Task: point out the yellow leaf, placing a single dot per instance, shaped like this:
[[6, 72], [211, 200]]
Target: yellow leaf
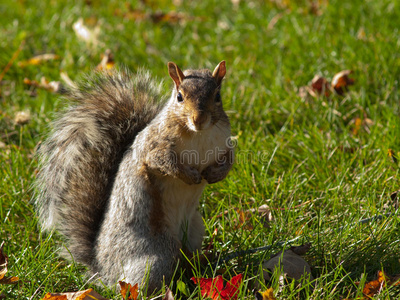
[[36, 60], [268, 294]]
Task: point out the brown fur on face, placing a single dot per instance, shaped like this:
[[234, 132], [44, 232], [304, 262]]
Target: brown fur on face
[[200, 106]]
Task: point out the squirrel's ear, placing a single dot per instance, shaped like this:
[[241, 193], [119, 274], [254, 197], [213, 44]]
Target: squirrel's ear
[[219, 72], [176, 74]]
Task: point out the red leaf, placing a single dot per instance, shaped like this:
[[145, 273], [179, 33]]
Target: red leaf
[[214, 287]]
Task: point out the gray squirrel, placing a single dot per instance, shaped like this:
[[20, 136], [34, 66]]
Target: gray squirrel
[[122, 172]]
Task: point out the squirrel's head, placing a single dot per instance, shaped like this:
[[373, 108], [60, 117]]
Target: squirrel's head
[[196, 97]]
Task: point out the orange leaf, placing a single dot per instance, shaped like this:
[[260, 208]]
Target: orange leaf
[[357, 126], [392, 155], [128, 288], [341, 81], [4, 269], [374, 287]]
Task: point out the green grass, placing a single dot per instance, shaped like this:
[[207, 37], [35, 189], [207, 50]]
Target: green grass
[[298, 156]]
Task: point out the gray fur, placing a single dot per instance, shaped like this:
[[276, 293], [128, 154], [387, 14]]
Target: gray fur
[[111, 178]]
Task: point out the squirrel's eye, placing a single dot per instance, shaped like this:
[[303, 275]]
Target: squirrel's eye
[[218, 97], [179, 97]]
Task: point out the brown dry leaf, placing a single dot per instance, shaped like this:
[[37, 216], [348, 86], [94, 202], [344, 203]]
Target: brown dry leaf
[[265, 214], [4, 268], [318, 7], [392, 155], [301, 250], [50, 296], [52, 86], [128, 288], [132, 14], [374, 287], [357, 126], [341, 81], [36, 60], [395, 280], [361, 35], [320, 86], [267, 295], [291, 264], [168, 295], [170, 17], [88, 294], [107, 61]]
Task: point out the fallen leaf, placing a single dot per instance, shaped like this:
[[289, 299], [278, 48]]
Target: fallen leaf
[[341, 81], [88, 294], [50, 296], [320, 86], [392, 155], [171, 17], [267, 295], [291, 264], [86, 34], [301, 250], [357, 125], [52, 86], [214, 287], [265, 214], [168, 295], [107, 61], [128, 288], [374, 287], [22, 118], [4, 268], [36, 60], [361, 35]]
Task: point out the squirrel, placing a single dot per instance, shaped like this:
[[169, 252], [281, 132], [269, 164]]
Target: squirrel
[[121, 173]]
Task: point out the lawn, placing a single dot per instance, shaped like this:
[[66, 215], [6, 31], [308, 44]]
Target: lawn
[[325, 166]]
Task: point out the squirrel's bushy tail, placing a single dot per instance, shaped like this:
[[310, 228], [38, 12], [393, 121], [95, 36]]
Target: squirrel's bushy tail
[[80, 158]]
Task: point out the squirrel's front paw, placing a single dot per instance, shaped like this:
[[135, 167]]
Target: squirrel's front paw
[[215, 173], [191, 175]]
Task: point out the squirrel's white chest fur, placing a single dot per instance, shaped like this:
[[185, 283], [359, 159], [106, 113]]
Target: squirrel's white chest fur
[[181, 200]]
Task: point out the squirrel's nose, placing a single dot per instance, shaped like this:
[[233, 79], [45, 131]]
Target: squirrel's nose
[[199, 120]]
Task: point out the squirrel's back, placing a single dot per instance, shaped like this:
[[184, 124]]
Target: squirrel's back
[[80, 158]]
